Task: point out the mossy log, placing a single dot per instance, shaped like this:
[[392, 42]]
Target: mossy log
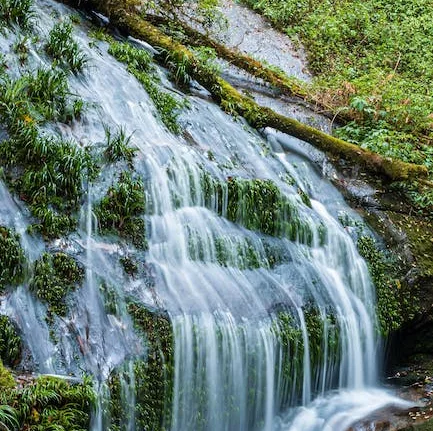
[[125, 15], [285, 84]]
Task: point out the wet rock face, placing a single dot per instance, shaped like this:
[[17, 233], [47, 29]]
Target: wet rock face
[[406, 237]]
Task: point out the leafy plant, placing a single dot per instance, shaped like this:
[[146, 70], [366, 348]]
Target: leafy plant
[[118, 146], [64, 49], [16, 12]]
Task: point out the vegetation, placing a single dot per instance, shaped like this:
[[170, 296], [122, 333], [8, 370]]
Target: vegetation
[[121, 210], [153, 376], [12, 258], [45, 170], [373, 62], [16, 12], [118, 146], [130, 265], [10, 342], [47, 403], [54, 277], [64, 49], [395, 301], [259, 205]]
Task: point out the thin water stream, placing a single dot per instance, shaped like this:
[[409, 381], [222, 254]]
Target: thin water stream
[[287, 343]]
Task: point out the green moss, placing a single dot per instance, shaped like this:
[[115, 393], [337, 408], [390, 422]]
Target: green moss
[[122, 209], [153, 377], [395, 301], [322, 329], [6, 379], [418, 231], [12, 258], [10, 342], [258, 205], [54, 277]]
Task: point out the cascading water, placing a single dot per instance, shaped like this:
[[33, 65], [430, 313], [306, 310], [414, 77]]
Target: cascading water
[[271, 306]]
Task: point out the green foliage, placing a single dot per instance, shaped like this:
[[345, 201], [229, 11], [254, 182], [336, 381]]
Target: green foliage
[[394, 301], [140, 65], [121, 210], [16, 12], [64, 49], [130, 265], [8, 418], [374, 64], [118, 146], [12, 258], [50, 403], [10, 342], [21, 48], [207, 58], [46, 171], [54, 277], [135, 58]]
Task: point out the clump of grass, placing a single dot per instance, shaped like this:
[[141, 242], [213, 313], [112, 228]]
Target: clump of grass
[[118, 146], [140, 65], [64, 48], [54, 277], [12, 258], [121, 210], [16, 12]]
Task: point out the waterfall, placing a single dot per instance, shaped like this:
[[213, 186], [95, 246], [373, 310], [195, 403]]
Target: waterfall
[[272, 316]]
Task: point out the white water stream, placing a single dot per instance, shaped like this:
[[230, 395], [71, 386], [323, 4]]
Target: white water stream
[[231, 369]]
